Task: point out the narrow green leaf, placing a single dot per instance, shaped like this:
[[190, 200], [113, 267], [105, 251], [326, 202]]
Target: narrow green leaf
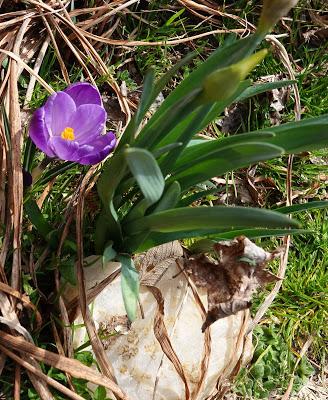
[[175, 16], [212, 112], [105, 227], [305, 135], [147, 173], [205, 149], [151, 91], [226, 159], [29, 153], [260, 88], [188, 200], [152, 133], [181, 101], [137, 211], [302, 207], [37, 219], [145, 102], [146, 98], [185, 136], [129, 285], [225, 55], [295, 137], [157, 238], [260, 233], [109, 253], [170, 198], [55, 171], [216, 108], [165, 149], [108, 222], [188, 218]]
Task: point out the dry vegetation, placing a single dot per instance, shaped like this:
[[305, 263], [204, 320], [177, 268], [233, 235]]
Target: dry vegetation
[[85, 38]]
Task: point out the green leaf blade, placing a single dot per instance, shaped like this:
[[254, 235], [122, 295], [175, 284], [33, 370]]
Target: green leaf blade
[[147, 173], [224, 160], [129, 286], [188, 218], [312, 205]]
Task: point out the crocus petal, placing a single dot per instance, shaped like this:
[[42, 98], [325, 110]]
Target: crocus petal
[[88, 122], [84, 93], [64, 149], [58, 111], [39, 133], [99, 150]]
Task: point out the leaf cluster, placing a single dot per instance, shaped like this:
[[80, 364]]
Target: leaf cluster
[[145, 187]]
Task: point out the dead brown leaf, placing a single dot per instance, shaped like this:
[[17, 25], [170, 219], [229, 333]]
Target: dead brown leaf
[[232, 280]]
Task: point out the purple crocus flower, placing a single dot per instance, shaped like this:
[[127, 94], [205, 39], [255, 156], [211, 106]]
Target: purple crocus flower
[[71, 126]]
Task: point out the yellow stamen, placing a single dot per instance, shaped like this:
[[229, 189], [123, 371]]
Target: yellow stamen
[[68, 134]]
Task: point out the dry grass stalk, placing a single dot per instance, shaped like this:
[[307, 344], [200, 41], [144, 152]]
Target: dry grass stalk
[[162, 336], [13, 206], [207, 340], [6, 217], [28, 69], [73, 305], [20, 362], [37, 66], [56, 48], [11, 319], [73, 367], [95, 57], [212, 9], [171, 42], [61, 351], [16, 180], [109, 14]]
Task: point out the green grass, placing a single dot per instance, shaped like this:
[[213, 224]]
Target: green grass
[[302, 304]]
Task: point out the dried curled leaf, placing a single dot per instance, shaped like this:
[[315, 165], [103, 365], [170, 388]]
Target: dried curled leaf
[[154, 263], [232, 280]]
